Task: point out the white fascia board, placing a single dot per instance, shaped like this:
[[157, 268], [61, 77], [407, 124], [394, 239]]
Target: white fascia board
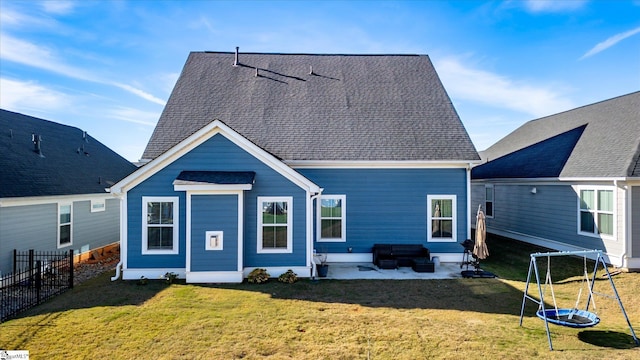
[[211, 187], [39, 200], [548, 181], [354, 164], [199, 137]]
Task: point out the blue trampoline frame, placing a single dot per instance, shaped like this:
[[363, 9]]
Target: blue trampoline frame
[[554, 316]]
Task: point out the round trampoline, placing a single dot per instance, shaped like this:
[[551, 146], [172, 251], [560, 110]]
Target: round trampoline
[[570, 317]]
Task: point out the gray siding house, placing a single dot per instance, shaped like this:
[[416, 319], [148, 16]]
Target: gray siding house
[[52, 188], [260, 160], [568, 181]]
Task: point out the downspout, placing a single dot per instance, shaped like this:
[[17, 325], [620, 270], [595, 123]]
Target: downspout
[[123, 246], [627, 221], [311, 260], [469, 201]]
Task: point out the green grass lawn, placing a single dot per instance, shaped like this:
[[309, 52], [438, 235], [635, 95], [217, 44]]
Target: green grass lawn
[[364, 319]]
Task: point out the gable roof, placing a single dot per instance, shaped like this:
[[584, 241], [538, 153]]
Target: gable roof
[[608, 145], [551, 155], [71, 161], [302, 107], [194, 140]]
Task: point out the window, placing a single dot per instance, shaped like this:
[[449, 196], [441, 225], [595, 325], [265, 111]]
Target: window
[[596, 211], [488, 200], [332, 215], [98, 205], [441, 218], [160, 227], [274, 224], [213, 240], [64, 225]]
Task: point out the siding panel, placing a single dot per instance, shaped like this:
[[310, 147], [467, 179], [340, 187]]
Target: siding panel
[[390, 205]]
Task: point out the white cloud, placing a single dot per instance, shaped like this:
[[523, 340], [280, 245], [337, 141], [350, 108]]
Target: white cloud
[[58, 7], [26, 96], [539, 6], [146, 118], [610, 42], [26, 53], [499, 91]]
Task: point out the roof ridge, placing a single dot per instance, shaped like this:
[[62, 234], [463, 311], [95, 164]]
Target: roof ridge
[[299, 54]]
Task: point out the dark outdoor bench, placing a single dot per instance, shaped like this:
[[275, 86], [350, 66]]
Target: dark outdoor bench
[[392, 256]]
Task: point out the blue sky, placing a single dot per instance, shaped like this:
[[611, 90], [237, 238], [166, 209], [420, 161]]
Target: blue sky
[[108, 67]]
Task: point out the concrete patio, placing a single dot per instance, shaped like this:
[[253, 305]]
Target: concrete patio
[[353, 271]]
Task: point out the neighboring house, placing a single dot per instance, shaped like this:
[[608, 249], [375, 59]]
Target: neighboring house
[[260, 160], [568, 181], [52, 188]]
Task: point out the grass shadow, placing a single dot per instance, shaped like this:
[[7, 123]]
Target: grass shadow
[[607, 339]]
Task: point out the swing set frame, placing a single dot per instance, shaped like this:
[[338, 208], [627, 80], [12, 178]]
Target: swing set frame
[[543, 313]]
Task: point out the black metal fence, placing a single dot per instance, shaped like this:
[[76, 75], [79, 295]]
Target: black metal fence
[[37, 276]]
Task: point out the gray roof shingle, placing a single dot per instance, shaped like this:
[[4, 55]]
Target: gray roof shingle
[[609, 146], [73, 162], [352, 107]]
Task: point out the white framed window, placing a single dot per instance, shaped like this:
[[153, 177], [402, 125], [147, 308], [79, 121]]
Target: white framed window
[[595, 211], [332, 218], [213, 240], [275, 224], [441, 218], [160, 225], [98, 205], [488, 200], [65, 224]]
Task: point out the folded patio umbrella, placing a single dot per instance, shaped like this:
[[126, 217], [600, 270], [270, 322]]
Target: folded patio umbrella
[[480, 248]]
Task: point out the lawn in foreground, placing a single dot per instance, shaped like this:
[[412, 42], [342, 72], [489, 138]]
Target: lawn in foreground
[[410, 319]]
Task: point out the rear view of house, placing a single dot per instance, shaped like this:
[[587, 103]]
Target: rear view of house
[[569, 181], [260, 160], [52, 188]]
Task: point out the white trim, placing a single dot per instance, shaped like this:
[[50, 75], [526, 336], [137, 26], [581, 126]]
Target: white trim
[[210, 187], [102, 202], [454, 217], [39, 200], [151, 273], [289, 201], [199, 137], [596, 189], [70, 223], [175, 225], [124, 236], [214, 277], [385, 164], [343, 218], [553, 181]]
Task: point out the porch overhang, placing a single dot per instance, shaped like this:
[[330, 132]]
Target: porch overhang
[[214, 180]]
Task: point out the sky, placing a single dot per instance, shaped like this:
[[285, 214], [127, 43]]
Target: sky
[[108, 67]]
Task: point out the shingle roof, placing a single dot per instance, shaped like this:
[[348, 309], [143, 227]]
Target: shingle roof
[[72, 161], [217, 177], [352, 107], [609, 146], [550, 157]]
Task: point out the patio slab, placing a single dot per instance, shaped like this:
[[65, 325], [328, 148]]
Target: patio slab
[[355, 271]]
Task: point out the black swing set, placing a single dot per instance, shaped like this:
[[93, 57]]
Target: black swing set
[[570, 317]]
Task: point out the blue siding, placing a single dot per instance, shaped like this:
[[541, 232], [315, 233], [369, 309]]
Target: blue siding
[[214, 213], [390, 205], [218, 154]]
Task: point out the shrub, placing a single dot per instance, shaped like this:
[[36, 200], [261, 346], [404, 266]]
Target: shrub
[[288, 277], [258, 276]]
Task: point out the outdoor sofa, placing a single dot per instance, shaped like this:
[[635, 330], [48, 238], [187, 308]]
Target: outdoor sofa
[[392, 256]]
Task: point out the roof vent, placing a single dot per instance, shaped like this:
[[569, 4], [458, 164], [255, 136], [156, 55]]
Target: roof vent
[[37, 144], [257, 72], [311, 70], [85, 137], [235, 61]]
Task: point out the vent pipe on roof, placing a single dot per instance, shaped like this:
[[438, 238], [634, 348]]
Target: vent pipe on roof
[[84, 136], [37, 146], [257, 72], [310, 69], [235, 61]]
